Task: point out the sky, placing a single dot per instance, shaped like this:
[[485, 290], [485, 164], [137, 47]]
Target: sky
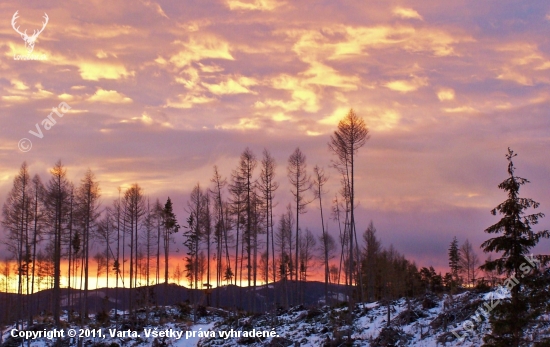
[[159, 92]]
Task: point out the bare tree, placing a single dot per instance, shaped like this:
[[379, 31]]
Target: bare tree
[[134, 203], [319, 180], [118, 212], [57, 203], [268, 187], [196, 207], [207, 235], [283, 241], [150, 243], [237, 201], [350, 136], [307, 246], [38, 211], [101, 266], [242, 190], [220, 228], [17, 217], [334, 273], [5, 284], [87, 196], [178, 274], [157, 215], [301, 183], [468, 262], [343, 237], [247, 165]]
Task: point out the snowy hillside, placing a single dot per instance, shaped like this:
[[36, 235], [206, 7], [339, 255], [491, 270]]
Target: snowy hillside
[[428, 321], [431, 321]]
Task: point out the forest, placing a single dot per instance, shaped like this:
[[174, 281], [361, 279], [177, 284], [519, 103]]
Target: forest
[[60, 236]]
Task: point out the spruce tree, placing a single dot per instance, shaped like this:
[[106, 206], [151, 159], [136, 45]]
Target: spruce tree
[[513, 242], [171, 226], [454, 258]]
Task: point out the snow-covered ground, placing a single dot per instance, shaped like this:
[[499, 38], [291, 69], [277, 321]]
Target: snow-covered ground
[[194, 339], [442, 320], [430, 321]]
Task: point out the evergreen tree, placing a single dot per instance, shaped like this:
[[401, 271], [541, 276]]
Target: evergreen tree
[[514, 242], [454, 258], [171, 226], [371, 255]]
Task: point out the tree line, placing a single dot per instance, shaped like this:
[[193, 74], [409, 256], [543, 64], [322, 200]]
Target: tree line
[[230, 223], [232, 237], [47, 224]]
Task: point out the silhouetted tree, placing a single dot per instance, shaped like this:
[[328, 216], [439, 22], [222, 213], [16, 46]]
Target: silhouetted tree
[[17, 217], [300, 183], [351, 134], [514, 241], [267, 188], [327, 243], [454, 265], [371, 254], [468, 262], [57, 204], [87, 197], [170, 226], [134, 203]]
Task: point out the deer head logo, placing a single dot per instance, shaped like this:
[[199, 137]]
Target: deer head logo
[[29, 40]]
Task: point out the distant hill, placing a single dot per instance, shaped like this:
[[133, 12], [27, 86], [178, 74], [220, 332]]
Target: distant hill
[[258, 300]]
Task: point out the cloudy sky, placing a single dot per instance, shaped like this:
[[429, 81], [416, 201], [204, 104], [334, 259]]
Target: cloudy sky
[[162, 91]]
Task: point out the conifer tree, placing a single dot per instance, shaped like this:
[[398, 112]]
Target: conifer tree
[[513, 241], [171, 226], [454, 258]]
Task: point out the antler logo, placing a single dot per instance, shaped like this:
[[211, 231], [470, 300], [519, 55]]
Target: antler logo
[[29, 40]]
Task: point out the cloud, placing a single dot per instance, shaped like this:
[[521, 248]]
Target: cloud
[[445, 94], [407, 13], [303, 97], [19, 85], [406, 86], [231, 86], [156, 7], [187, 101], [94, 71], [109, 96], [509, 75], [254, 5], [201, 47], [460, 109], [243, 124]]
